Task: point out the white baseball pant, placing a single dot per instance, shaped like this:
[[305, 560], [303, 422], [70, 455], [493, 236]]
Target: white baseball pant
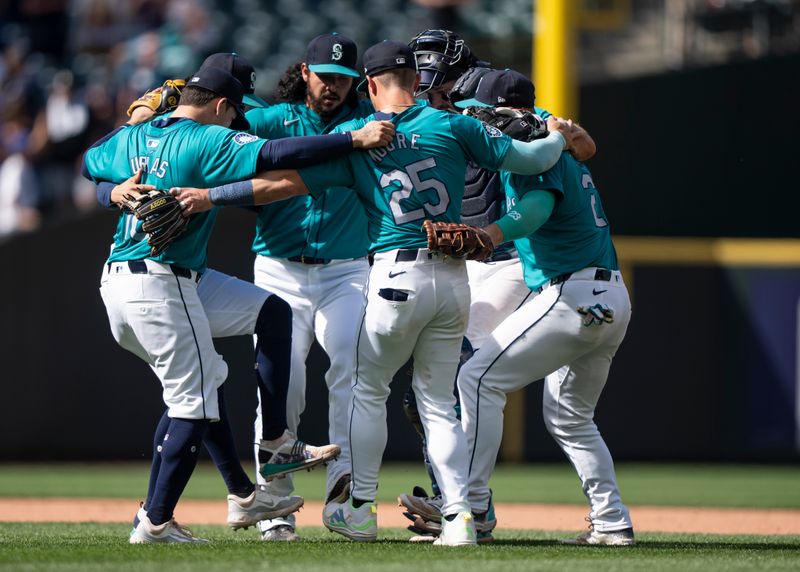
[[497, 289], [169, 322], [428, 325], [546, 338]]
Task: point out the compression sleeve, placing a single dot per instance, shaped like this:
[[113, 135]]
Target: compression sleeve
[[534, 157], [530, 212], [104, 194], [299, 152]]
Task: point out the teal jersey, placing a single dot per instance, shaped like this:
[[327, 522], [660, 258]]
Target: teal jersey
[[173, 153], [577, 234], [418, 176], [331, 225]]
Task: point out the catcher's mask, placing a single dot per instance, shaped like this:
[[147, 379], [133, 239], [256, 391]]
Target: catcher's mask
[[442, 56]]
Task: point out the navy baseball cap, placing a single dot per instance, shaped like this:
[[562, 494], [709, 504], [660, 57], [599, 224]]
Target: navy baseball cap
[[387, 55], [225, 85], [332, 53], [502, 88], [240, 68]]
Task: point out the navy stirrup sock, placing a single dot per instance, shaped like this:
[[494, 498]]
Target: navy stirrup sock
[[158, 438], [221, 447], [273, 363], [179, 451]]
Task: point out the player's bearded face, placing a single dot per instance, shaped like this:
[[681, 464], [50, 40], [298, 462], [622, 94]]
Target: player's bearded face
[[326, 92]]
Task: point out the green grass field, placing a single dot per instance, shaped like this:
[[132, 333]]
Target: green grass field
[[756, 486], [102, 547]]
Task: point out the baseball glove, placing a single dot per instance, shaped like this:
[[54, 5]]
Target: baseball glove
[[458, 240], [466, 86], [161, 99], [520, 124], [161, 215]]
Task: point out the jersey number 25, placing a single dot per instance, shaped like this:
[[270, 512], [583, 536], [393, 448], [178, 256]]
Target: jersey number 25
[[409, 180]]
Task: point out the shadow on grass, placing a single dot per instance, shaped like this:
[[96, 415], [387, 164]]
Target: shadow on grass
[[792, 544]]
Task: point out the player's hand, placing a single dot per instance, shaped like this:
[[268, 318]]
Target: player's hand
[[583, 146], [557, 124], [373, 134], [130, 189], [495, 234], [192, 200]]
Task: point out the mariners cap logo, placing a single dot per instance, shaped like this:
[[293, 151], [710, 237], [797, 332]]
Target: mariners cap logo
[[336, 53]]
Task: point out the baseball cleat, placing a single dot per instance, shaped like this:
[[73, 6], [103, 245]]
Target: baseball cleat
[[340, 491], [169, 532], [418, 502], [485, 522], [280, 533], [594, 537], [291, 454], [458, 531], [260, 505], [355, 523]]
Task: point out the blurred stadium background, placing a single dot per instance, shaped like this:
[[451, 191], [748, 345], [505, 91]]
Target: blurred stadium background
[[693, 104]]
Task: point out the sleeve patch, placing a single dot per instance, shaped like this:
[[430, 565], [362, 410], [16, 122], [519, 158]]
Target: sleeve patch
[[492, 130], [244, 138]]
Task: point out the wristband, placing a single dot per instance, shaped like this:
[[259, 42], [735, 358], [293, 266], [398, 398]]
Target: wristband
[[232, 194]]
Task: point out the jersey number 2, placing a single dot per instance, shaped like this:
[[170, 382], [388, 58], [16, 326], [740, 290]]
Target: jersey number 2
[[599, 217], [409, 181]]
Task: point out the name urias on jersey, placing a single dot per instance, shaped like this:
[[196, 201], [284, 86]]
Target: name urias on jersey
[[158, 169], [400, 141]]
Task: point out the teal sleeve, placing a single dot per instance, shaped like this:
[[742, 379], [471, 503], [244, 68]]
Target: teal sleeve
[[483, 144], [534, 157], [541, 112], [98, 162], [227, 156], [267, 122], [335, 173], [530, 212]]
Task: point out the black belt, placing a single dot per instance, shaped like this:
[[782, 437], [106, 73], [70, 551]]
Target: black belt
[[502, 256], [409, 255], [140, 267], [602, 274], [307, 260]]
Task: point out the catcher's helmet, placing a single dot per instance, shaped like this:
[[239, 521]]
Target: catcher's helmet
[[441, 56]]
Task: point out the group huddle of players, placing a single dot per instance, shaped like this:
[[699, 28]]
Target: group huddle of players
[[342, 257]]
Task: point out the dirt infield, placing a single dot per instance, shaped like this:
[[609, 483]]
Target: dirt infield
[[525, 516]]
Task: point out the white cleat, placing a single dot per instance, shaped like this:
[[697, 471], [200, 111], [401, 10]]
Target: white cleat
[[291, 454], [260, 505], [359, 524], [458, 531], [170, 532], [593, 537]]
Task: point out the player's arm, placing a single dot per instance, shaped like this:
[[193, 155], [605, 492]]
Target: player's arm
[[583, 146], [265, 188], [530, 212], [298, 152], [534, 157]]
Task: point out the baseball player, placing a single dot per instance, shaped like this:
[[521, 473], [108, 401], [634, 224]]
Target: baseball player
[[313, 252], [496, 284], [417, 301], [284, 454], [567, 333], [155, 306]]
